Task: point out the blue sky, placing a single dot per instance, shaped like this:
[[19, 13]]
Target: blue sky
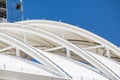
[[101, 17]]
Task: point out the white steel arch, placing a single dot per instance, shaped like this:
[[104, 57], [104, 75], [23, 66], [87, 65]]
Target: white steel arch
[[41, 30], [49, 25], [81, 32], [30, 51], [36, 30]]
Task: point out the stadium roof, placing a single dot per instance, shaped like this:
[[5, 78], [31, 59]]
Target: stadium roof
[[63, 52]]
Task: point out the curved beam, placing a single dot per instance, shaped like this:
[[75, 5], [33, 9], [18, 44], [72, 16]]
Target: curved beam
[[30, 51], [74, 29], [98, 64]]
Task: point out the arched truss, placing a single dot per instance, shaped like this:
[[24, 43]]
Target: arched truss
[[59, 43], [87, 37], [91, 42], [19, 46]]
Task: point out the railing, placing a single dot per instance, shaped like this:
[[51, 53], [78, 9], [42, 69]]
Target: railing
[[19, 69], [34, 71], [86, 78]]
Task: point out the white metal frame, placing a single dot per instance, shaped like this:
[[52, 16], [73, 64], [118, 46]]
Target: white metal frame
[[33, 27]]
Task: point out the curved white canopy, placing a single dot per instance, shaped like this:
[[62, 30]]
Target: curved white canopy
[[36, 38], [60, 27]]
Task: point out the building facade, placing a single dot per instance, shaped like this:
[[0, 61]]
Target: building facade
[[10, 10]]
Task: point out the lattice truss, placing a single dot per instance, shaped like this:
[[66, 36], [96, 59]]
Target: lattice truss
[[32, 39]]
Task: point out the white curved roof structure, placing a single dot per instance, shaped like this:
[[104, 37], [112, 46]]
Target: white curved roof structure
[[62, 52]]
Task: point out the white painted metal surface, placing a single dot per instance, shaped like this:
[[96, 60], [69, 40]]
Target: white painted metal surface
[[47, 41]]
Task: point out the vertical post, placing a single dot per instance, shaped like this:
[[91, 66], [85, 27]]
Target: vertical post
[[68, 52], [4, 66], [108, 53], [17, 52]]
